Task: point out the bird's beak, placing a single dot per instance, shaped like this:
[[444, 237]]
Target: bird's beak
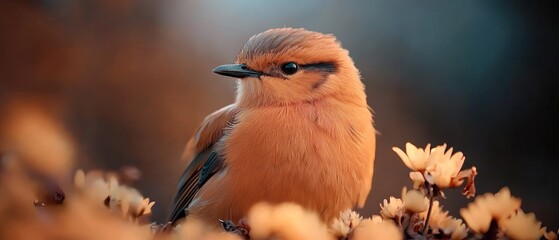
[[236, 71]]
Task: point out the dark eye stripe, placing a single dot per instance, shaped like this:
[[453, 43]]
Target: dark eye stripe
[[327, 67]]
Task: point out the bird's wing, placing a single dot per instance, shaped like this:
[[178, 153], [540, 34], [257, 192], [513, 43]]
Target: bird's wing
[[204, 160]]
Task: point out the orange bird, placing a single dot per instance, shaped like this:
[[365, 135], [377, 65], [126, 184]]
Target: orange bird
[[299, 131]]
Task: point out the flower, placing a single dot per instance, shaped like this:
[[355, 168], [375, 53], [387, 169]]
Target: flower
[[418, 179], [414, 158], [342, 226], [376, 219], [371, 229], [437, 166], [130, 202], [145, 207], [339, 229], [478, 215], [350, 218], [502, 204], [522, 226], [437, 215], [444, 167], [453, 227], [414, 201], [192, 228], [392, 208], [106, 190], [285, 221], [93, 184]]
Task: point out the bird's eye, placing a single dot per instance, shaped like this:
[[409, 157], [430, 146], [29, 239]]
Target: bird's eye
[[289, 68]]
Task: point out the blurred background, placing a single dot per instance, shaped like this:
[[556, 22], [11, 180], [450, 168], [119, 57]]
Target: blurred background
[[126, 82]]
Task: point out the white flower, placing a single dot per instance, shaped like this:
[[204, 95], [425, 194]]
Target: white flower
[[339, 229], [453, 227], [478, 215], [285, 221], [522, 226], [392, 208], [350, 218], [129, 200], [437, 215], [145, 207], [107, 191], [502, 204], [414, 158], [437, 166], [444, 168], [417, 178], [93, 184], [371, 229], [342, 226], [376, 219], [414, 201], [193, 228]]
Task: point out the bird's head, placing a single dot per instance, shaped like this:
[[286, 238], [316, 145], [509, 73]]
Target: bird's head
[[288, 66]]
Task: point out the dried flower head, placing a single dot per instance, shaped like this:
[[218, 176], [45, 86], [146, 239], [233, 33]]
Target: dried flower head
[[522, 226]]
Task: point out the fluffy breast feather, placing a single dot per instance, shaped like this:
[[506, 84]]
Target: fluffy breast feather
[[317, 154]]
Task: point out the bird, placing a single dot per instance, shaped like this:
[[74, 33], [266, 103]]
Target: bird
[[300, 130]]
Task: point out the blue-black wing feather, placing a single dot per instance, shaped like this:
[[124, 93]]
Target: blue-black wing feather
[[200, 170]]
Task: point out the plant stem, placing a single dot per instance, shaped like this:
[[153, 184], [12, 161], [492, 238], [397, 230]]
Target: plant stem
[[430, 191]]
